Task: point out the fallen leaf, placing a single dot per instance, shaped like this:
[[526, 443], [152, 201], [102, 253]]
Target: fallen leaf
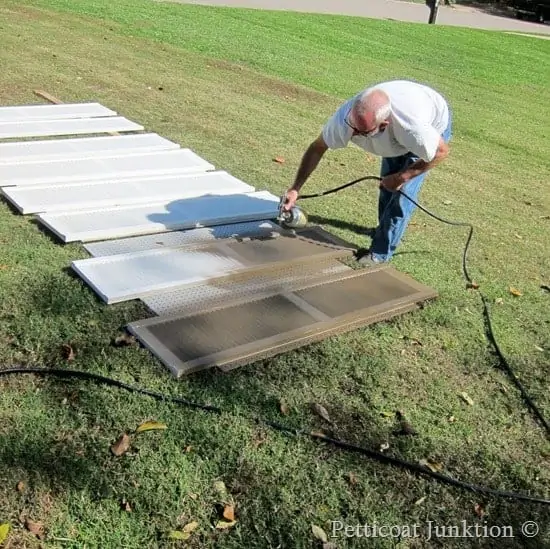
[[421, 500], [150, 426], [20, 486], [125, 505], [124, 340], [447, 202], [222, 525], [518, 236], [321, 411], [279, 160], [319, 533], [3, 267], [499, 301], [121, 446], [221, 490], [229, 513], [452, 419], [405, 427], [283, 406], [403, 352], [515, 292], [539, 348], [467, 399], [35, 528], [68, 352], [193, 496], [352, 479], [188, 449], [4, 531], [479, 510], [472, 285], [387, 414], [179, 535], [413, 340], [433, 466], [318, 434], [384, 446]]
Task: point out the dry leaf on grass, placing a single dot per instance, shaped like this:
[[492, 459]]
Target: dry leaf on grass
[[20, 486], [121, 446], [433, 466], [283, 407], [352, 479], [515, 291], [222, 525], [3, 267], [479, 510], [151, 426], [125, 506], [472, 285], [499, 301], [279, 160], [447, 202], [4, 531], [35, 528], [68, 352], [319, 533], [466, 398], [321, 411], [185, 532], [124, 340], [229, 513], [421, 500]]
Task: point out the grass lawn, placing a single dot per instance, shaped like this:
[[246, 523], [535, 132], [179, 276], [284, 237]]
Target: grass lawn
[[240, 88]]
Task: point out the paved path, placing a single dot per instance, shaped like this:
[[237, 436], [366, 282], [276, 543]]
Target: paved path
[[390, 9]]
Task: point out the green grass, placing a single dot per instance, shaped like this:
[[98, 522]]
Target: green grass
[[241, 87]]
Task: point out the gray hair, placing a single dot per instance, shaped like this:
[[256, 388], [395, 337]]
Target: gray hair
[[373, 100]]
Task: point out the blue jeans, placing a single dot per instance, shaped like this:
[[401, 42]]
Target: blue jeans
[[395, 210]]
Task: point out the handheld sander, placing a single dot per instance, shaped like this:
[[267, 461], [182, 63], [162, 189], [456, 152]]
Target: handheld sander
[[294, 218]]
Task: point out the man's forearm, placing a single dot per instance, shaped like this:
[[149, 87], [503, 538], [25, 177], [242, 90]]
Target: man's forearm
[[421, 166], [309, 162]]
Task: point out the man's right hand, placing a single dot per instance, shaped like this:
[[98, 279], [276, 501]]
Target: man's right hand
[[290, 199]]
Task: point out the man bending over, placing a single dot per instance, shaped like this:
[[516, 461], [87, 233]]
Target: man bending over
[[408, 125]]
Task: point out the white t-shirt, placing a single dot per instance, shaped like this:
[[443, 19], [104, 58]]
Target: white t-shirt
[[419, 115]]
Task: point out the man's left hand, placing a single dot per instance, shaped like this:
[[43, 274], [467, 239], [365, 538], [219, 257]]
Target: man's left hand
[[392, 182]]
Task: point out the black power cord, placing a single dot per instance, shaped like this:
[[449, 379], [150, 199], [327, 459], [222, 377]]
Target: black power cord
[[61, 373]]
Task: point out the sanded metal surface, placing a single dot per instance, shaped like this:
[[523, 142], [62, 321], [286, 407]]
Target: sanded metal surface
[[265, 324], [79, 126], [215, 293], [93, 169], [53, 112], [158, 217], [82, 147], [181, 238], [107, 193], [128, 276]]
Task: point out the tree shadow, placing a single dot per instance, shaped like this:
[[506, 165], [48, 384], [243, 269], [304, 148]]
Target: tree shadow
[[503, 9]]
